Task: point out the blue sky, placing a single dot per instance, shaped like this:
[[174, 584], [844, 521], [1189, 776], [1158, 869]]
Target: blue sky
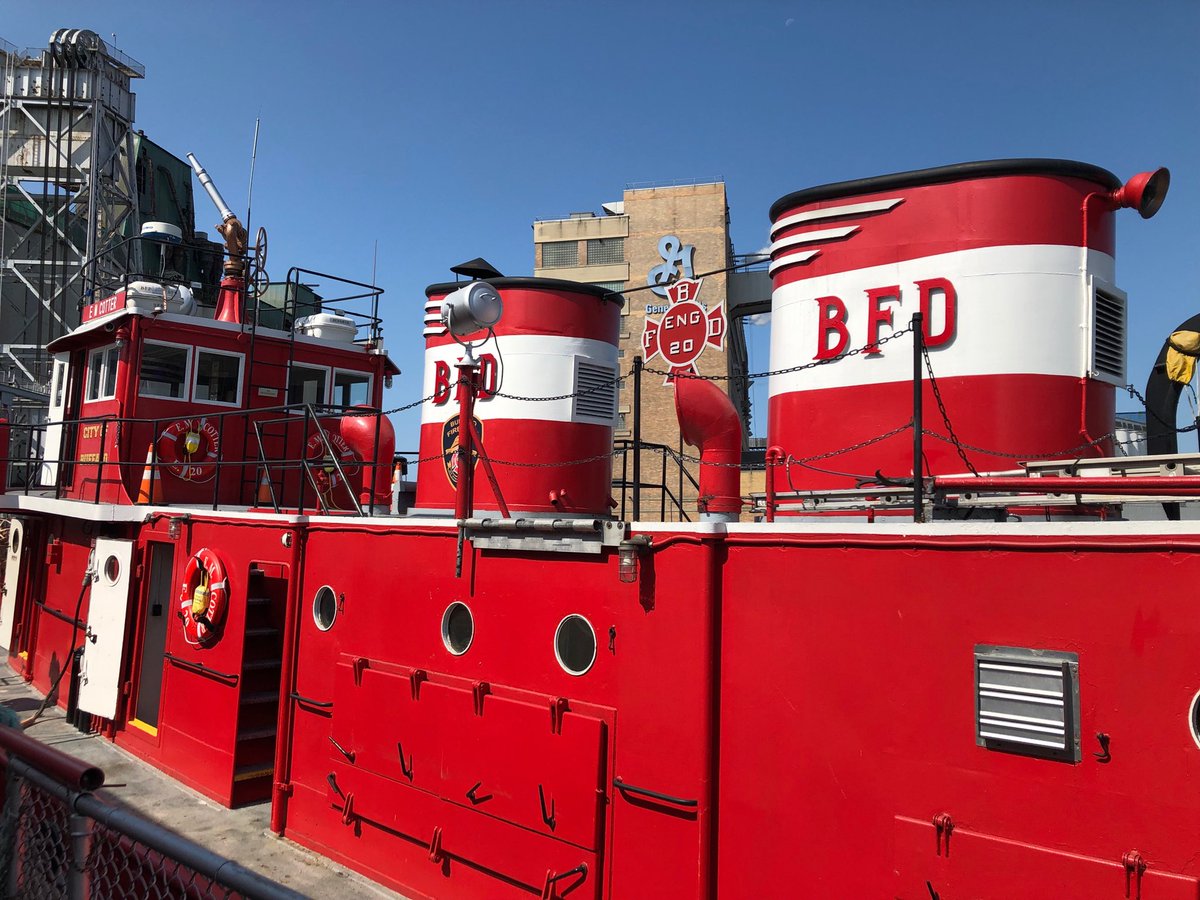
[[443, 129]]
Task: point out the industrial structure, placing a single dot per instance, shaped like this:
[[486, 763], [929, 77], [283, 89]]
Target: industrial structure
[[656, 234], [76, 181]]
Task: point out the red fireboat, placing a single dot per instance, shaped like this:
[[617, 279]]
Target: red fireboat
[[903, 670]]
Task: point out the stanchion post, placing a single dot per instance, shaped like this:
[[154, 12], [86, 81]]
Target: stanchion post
[[918, 427], [637, 438]]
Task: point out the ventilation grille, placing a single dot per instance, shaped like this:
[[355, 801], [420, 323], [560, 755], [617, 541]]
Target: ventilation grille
[[1108, 336], [1027, 701], [595, 391]]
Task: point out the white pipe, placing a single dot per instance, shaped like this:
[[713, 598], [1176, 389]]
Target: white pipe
[[213, 193]]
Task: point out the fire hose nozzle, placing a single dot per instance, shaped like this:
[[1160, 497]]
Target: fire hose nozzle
[[207, 183]]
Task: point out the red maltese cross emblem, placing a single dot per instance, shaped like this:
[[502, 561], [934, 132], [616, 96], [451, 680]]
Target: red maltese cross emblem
[[684, 330]]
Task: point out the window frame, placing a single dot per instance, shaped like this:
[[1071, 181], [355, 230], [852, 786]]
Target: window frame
[[287, 388], [241, 377], [102, 372], [187, 370], [339, 371]]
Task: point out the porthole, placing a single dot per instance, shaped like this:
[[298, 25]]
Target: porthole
[[112, 569], [16, 539], [458, 628], [1194, 719], [575, 644], [325, 608]]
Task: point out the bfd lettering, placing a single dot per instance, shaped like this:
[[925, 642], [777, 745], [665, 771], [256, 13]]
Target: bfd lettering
[[489, 377], [833, 326]]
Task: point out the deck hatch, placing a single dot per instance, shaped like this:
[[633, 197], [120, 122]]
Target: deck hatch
[[1027, 701]]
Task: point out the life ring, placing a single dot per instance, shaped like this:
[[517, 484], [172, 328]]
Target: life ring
[[189, 449], [332, 491], [203, 597]]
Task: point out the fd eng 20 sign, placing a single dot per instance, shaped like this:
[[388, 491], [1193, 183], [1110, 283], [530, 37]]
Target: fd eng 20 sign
[[685, 329]]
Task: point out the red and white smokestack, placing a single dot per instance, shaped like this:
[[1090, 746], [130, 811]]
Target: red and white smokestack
[[558, 343], [708, 420], [1023, 321]]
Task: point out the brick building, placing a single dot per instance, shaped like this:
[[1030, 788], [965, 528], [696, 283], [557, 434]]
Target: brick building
[[635, 246]]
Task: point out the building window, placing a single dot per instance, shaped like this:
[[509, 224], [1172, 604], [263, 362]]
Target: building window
[[604, 251], [218, 377], [351, 388], [307, 385], [560, 254], [614, 286], [102, 373]]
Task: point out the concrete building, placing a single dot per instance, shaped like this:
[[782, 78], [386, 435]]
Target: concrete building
[[653, 236]]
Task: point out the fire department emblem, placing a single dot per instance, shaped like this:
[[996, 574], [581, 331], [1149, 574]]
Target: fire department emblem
[[685, 329], [450, 438]]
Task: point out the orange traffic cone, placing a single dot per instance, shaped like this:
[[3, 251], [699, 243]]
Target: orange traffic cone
[[264, 490], [151, 488]]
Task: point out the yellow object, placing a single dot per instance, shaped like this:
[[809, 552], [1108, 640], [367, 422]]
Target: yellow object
[[142, 726], [1182, 351], [191, 443], [200, 595]]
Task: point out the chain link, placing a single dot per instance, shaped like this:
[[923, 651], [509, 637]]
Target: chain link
[[792, 369], [582, 393], [1055, 454], [941, 405], [1134, 392]]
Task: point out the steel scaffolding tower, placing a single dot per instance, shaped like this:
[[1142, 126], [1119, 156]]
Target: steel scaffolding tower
[[67, 188]]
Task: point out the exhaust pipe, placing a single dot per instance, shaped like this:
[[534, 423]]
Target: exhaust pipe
[[709, 421]]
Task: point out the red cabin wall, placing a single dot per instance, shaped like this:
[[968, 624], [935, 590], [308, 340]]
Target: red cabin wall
[[124, 449], [198, 720], [847, 718], [651, 691]]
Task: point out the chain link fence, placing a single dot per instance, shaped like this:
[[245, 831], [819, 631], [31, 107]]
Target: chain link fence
[[58, 841]]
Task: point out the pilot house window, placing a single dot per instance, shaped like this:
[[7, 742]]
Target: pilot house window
[[163, 372], [102, 373], [351, 388], [307, 385], [217, 377]]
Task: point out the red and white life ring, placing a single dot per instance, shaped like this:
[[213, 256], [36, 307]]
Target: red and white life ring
[[331, 491], [189, 449], [203, 597]]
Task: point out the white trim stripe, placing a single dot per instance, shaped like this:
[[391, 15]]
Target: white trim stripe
[[813, 237], [791, 259], [833, 212]]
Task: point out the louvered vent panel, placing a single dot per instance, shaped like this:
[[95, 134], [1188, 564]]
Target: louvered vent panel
[[595, 391], [1027, 701], [1108, 336]]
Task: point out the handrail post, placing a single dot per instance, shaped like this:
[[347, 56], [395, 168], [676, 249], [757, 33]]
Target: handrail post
[[918, 427], [100, 460], [637, 438], [78, 881]]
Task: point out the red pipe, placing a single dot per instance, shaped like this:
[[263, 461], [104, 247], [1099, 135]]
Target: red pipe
[[1174, 486], [282, 786], [463, 499], [709, 421], [775, 456], [229, 301]]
